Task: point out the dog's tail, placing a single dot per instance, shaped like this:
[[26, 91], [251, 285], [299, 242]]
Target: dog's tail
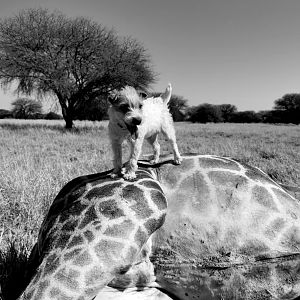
[[166, 96]]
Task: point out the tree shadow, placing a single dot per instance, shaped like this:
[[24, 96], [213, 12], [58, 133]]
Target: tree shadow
[[13, 264]]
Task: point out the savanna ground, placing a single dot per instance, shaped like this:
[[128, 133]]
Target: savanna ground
[[38, 157]]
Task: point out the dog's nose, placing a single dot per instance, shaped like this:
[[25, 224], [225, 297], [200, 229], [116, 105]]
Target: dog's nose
[[136, 121]]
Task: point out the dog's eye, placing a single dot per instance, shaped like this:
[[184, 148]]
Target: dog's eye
[[140, 106], [124, 108]]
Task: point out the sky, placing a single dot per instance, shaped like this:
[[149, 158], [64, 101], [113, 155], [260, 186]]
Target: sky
[[241, 52]]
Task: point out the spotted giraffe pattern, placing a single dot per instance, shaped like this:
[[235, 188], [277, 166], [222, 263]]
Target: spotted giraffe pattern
[[230, 232], [93, 232]]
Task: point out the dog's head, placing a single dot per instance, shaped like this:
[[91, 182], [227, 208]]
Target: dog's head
[[128, 104]]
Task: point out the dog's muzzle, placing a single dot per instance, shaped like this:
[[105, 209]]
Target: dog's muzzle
[[136, 121], [132, 128]]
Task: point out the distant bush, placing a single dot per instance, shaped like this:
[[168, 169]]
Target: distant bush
[[274, 116], [52, 116], [4, 114], [248, 116], [205, 113]]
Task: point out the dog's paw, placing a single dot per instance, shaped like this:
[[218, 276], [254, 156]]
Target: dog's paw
[[129, 176], [114, 175], [177, 160], [154, 161]]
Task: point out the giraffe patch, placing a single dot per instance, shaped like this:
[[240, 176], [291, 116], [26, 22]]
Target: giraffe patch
[[140, 237], [70, 225], [122, 230], [275, 227], [152, 224], [89, 216], [55, 293], [261, 195], [107, 190], [62, 240], [94, 276], [110, 209], [68, 277], [109, 251], [158, 199], [76, 241], [90, 292], [151, 184], [133, 194], [83, 259], [75, 210], [89, 235], [41, 289], [51, 264], [227, 179], [71, 254], [291, 239]]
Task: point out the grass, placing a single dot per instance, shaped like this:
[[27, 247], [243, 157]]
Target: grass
[[38, 157]]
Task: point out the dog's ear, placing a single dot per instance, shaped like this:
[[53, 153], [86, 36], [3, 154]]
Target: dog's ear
[[112, 97], [143, 94]]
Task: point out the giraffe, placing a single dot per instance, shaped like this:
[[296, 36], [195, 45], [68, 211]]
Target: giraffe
[[93, 232], [230, 232]]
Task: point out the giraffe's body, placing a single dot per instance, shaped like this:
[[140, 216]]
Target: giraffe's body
[[230, 233]]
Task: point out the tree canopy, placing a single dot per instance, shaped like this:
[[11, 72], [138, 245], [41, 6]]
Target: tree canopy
[[74, 59], [289, 105]]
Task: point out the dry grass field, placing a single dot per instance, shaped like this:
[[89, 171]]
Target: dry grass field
[[38, 157]]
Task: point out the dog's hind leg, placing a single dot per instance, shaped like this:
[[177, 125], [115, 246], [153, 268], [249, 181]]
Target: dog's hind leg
[[153, 141], [169, 132]]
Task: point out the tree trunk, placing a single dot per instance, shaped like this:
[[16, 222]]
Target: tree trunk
[[69, 123], [67, 115]]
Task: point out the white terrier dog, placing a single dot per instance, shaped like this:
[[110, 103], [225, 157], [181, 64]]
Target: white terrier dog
[[135, 119]]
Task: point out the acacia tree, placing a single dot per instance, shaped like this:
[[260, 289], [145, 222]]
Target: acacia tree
[[227, 111], [24, 108], [74, 59], [289, 106]]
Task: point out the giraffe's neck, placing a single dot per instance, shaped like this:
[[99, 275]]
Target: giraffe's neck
[[94, 232]]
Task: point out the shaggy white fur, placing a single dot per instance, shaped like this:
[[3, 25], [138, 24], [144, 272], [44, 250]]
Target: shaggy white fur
[[135, 119]]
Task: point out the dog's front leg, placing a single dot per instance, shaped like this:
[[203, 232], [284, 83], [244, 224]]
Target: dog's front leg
[[136, 149], [117, 157]]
